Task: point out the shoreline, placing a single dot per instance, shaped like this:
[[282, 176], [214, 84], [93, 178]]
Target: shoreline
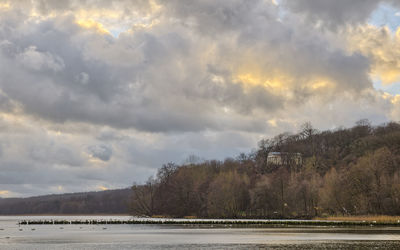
[[60, 215], [212, 222]]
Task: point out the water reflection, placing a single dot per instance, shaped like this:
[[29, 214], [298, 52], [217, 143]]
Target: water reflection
[[67, 237]]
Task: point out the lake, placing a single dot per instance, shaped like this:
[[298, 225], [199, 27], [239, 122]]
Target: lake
[[68, 237]]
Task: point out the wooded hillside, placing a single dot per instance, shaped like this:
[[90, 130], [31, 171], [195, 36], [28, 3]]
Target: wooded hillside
[[351, 171], [103, 202]]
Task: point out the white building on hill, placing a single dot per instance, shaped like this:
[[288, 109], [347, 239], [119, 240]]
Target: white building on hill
[[284, 158]]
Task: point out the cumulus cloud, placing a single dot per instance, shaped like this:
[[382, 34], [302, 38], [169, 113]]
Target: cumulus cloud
[[90, 86], [130, 76], [381, 46]]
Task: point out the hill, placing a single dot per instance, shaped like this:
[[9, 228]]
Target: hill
[[102, 202], [353, 171]]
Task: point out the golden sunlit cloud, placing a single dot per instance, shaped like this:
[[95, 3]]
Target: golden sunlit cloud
[[276, 80], [103, 188], [254, 80], [95, 160], [282, 85], [321, 84], [395, 99], [90, 24], [4, 192], [4, 6], [105, 21], [252, 75], [388, 75], [110, 21], [382, 46], [101, 20], [272, 122]]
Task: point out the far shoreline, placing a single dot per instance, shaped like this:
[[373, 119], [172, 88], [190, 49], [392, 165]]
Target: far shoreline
[[241, 222], [16, 215]]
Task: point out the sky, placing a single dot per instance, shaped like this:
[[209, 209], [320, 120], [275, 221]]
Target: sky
[[98, 94]]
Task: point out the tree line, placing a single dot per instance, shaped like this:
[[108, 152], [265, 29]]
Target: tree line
[[101, 202], [346, 171]]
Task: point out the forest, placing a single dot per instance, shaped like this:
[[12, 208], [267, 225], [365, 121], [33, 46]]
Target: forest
[[346, 171]]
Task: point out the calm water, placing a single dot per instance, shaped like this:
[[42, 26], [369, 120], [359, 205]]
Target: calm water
[[68, 237]]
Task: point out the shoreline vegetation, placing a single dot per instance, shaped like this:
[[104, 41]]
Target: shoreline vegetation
[[370, 218]]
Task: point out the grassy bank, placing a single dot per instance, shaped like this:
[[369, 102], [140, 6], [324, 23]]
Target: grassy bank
[[366, 218]]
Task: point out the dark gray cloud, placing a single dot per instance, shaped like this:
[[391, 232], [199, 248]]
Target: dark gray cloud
[[102, 152], [336, 13]]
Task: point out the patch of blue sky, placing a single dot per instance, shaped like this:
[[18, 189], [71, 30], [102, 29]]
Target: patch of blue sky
[[115, 32], [393, 89], [282, 12], [386, 15]]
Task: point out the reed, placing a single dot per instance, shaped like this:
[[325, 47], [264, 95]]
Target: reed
[[367, 218]]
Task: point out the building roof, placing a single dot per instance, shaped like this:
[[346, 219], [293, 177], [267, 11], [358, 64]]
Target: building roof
[[282, 153]]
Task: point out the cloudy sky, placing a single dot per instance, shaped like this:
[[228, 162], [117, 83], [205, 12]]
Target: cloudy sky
[[98, 94]]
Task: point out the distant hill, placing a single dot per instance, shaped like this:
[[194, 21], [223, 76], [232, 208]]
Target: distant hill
[[102, 202]]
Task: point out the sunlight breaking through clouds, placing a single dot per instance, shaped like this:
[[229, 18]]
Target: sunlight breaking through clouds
[[90, 24], [104, 92]]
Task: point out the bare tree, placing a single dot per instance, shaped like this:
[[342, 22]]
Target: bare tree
[[143, 198]]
